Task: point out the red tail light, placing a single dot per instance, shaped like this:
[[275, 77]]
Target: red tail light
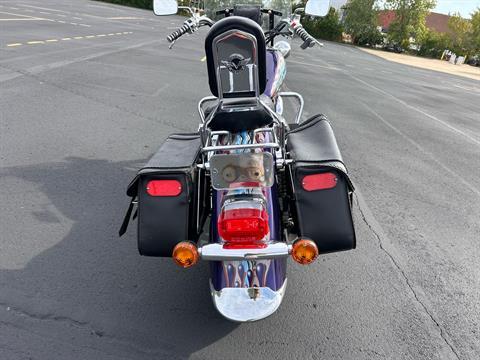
[[243, 227], [319, 181], [164, 188]]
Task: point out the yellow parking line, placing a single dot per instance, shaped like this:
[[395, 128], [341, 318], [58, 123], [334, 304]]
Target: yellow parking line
[[70, 38]]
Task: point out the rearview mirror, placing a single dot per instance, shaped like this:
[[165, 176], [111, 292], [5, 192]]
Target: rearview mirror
[[317, 7], [165, 7]]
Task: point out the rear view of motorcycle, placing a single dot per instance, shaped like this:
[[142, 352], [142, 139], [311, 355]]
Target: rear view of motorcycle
[[267, 188]]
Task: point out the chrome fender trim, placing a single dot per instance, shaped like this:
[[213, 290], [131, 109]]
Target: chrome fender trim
[[216, 252], [247, 304]]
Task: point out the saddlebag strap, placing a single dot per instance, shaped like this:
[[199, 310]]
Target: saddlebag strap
[[126, 220]]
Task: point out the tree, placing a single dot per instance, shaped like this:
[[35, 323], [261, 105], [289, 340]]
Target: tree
[[476, 30], [434, 44], [410, 18], [460, 34], [328, 27], [361, 20]]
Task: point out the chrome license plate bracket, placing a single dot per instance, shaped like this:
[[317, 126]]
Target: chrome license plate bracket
[[243, 170]]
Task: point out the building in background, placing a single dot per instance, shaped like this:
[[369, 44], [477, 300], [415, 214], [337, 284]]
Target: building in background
[[435, 21]]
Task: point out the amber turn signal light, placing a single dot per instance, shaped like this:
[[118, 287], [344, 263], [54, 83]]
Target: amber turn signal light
[[304, 251], [185, 254]]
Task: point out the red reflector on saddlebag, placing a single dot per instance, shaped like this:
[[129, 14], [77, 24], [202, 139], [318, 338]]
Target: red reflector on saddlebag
[[164, 188], [319, 182], [243, 225]]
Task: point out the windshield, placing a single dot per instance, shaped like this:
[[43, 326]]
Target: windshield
[[284, 6]]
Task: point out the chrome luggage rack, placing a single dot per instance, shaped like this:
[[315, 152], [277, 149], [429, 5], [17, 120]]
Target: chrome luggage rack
[[211, 146], [212, 140]]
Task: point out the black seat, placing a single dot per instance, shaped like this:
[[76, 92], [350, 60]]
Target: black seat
[[240, 114]]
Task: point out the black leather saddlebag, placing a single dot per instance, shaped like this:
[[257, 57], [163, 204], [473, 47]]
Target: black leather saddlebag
[[321, 188], [170, 194]]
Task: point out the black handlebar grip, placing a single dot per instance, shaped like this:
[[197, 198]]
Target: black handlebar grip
[[176, 34], [308, 40]]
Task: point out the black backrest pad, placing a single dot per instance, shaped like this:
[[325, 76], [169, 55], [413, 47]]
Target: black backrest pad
[[242, 24]]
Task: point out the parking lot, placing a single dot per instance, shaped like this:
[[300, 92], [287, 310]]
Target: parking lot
[[89, 90]]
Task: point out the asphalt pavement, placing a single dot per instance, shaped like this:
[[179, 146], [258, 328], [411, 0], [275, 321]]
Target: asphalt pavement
[[89, 90]]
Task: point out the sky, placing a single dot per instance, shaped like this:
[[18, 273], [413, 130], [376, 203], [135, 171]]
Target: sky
[[465, 7]]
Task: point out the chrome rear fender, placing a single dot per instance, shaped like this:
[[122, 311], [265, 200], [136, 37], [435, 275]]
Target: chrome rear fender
[[247, 304]]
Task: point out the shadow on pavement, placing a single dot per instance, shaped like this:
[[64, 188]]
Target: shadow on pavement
[[93, 278]]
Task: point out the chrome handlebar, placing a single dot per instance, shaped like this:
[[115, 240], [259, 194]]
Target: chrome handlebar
[[297, 28], [308, 40], [196, 21], [189, 27]]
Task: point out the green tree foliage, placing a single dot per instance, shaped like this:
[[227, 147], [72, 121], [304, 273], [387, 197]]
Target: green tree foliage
[[361, 20], [476, 30], [460, 34], [327, 28], [410, 17], [434, 44], [463, 37]]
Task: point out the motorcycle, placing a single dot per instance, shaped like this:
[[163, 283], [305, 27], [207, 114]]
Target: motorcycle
[[268, 188]]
